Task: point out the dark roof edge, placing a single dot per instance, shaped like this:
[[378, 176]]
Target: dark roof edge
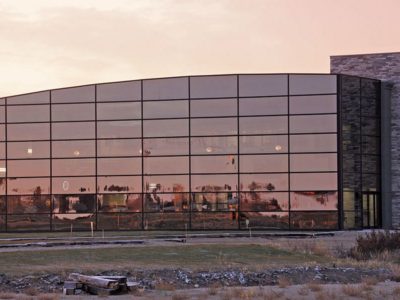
[[365, 54]]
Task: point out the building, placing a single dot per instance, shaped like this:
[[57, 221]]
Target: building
[[268, 151]]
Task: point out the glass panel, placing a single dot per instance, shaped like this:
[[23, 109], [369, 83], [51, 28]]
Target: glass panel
[[263, 106], [75, 130], [119, 147], [370, 182], [371, 164], [170, 221], [371, 145], [214, 145], [78, 221], [3, 132], [72, 112], [223, 126], [19, 132], [3, 114], [160, 128], [215, 201], [71, 167], [264, 163], [263, 85], [311, 124], [166, 184], [119, 166], [370, 126], [263, 125], [28, 113], [313, 162], [264, 201], [213, 86], [166, 165], [32, 98], [119, 111], [312, 84], [119, 221], [370, 107], [73, 185], [119, 129], [214, 183], [214, 220], [178, 202], [2, 205], [213, 108], [264, 144], [165, 109], [28, 150], [3, 150], [73, 149], [119, 184], [313, 181], [214, 164], [119, 91], [166, 88], [31, 222], [313, 104], [120, 203], [314, 200], [313, 143], [264, 182], [74, 204], [166, 146], [28, 204], [27, 186], [74, 94], [28, 168], [314, 220], [265, 220]]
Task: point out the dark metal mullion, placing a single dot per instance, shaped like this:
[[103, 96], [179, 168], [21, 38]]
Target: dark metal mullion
[[142, 150], [51, 164], [361, 159], [288, 137], [96, 158], [190, 158], [238, 194], [339, 152], [6, 164]]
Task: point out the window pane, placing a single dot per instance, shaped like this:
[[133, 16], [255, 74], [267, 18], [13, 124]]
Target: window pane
[[264, 163], [214, 220], [28, 168], [119, 221], [3, 150], [165, 109], [215, 201], [313, 104], [213, 108], [264, 182], [166, 165], [313, 162], [263, 85], [160, 128], [119, 166], [370, 126], [119, 111], [28, 186], [214, 145], [213, 86], [66, 167], [263, 106], [28, 113], [120, 203], [81, 221], [177, 202], [3, 133], [313, 143], [73, 149], [264, 144], [166, 184], [72, 112], [216, 183], [313, 181], [266, 220], [119, 91], [370, 145], [119, 147], [19, 132], [119, 129], [306, 124], [32, 98], [214, 164], [166, 146], [314, 200], [371, 164], [76, 204], [28, 204], [3, 114], [166, 88], [119, 184], [28, 149], [314, 220], [264, 201], [74, 94], [223, 126], [263, 125], [38, 222], [168, 221], [73, 185], [75, 130], [312, 84]]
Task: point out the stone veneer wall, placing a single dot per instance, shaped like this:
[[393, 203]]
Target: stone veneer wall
[[385, 67]]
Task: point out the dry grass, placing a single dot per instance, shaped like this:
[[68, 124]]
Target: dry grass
[[284, 282], [48, 297], [245, 294], [7, 296], [396, 292], [303, 291], [212, 291], [315, 287], [165, 286], [370, 281], [352, 290], [31, 291], [180, 296]]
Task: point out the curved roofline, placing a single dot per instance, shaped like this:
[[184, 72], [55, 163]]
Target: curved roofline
[[171, 77]]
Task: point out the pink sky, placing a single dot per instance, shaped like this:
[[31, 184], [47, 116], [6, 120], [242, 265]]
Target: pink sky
[[47, 44]]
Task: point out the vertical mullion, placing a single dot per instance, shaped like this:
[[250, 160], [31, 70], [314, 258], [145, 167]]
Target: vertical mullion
[[190, 157], [95, 154], [361, 160], [289, 155], [51, 163], [6, 163], [142, 149], [238, 189], [339, 151]]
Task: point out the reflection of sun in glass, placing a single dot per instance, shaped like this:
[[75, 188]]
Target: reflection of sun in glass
[[77, 153], [30, 150], [278, 147], [209, 149]]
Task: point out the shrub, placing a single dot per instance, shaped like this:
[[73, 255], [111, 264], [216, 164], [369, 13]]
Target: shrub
[[375, 243]]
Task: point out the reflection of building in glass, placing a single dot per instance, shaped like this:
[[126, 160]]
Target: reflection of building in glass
[[279, 151]]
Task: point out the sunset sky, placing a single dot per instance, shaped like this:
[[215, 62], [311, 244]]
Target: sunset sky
[[48, 44]]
